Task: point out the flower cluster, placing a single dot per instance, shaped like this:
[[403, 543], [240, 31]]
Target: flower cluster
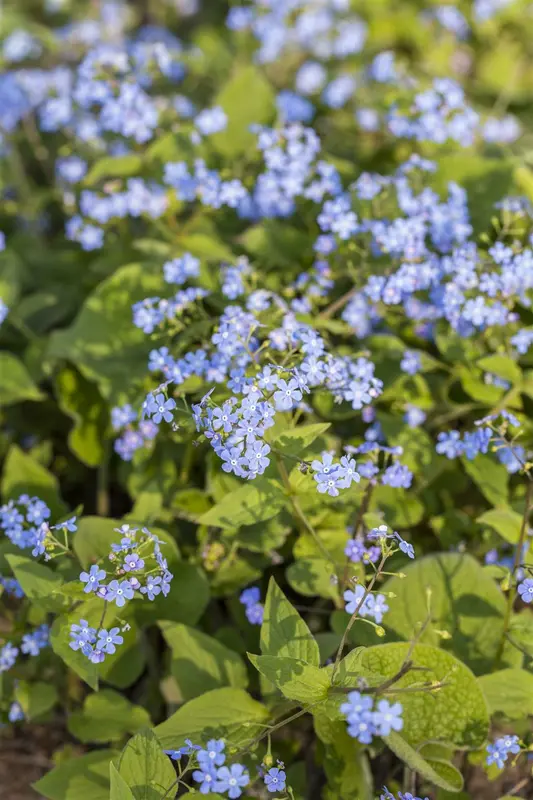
[[401, 795], [138, 556], [212, 774], [499, 752], [30, 644], [367, 718], [366, 605], [94, 644], [254, 609], [25, 523]]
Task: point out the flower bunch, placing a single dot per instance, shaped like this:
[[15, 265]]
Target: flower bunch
[[367, 718]]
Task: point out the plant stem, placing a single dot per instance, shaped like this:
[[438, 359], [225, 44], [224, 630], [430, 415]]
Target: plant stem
[[511, 597], [102, 481], [354, 615], [300, 514], [363, 508]]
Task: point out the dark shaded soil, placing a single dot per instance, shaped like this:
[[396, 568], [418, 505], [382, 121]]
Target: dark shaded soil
[[25, 756]]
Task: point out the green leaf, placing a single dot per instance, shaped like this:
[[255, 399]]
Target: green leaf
[[80, 399], [247, 82], [509, 691], [119, 788], [91, 610], [221, 712], [311, 577], [114, 167], [400, 508], [103, 342], [491, 478], [429, 770], [464, 601], [35, 698], [502, 366], [283, 632], [201, 663], [256, 501], [23, 475], [36, 580], [296, 679], [505, 521], [457, 713], [126, 665], [78, 778], [186, 601], [16, 385], [145, 768], [294, 442], [107, 716], [346, 764]]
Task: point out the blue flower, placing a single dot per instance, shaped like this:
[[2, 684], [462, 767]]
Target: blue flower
[[498, 752], [288, 394], [206, 776], [404, 546], [119, 592], [275, 779], [133, 562], [353, 598], [213, 755], [108, 639], [255, 613], [82, 635], [250, 596], [232, 780], [153, 587], [525, 590], [15, 713], [388, 717], [159, 408], [92, 578]]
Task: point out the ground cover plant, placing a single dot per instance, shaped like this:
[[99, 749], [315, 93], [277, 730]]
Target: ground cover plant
[[266, 383]]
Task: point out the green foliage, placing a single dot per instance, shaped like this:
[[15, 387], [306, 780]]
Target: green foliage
[[107, 716], [460, 599], [254, 502], [230, 713], [296, 679], [246, 82], [509, 691], [102, 342], [201, 663], [77, 778], [145, 768], [455, 714], [283, 632], [35, 699], [23, 474], [17, 384], [36, 580]]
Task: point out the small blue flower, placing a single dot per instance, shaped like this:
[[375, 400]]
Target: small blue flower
[[119, 592], [275, 779], [15, 713], [108, 639], [133, 562], [153, 587], [232, 780], [159, 408], [388, 717], [213, 755], [525, 590], [207, 778], [92, 578]]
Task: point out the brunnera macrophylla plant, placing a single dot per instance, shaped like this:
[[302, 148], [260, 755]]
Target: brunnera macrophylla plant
[[266, 277]]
